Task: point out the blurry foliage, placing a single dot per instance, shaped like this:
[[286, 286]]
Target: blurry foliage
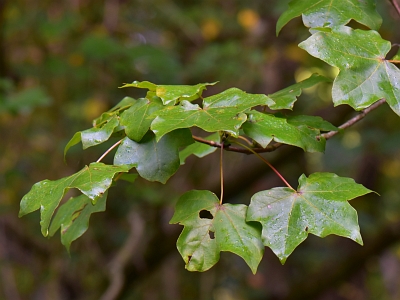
[[60, 65]]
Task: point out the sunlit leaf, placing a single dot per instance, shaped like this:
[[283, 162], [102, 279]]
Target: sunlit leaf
[[365, 75], [221, 112], [73, 217], [154, 161], [312, 122], [93, 181], [322, 13], [263, 128], [319, 206], [202, 239], [285, 98]]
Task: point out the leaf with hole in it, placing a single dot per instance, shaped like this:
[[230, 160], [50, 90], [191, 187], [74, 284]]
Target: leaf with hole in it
[[93, 181], [263, 128], [73, 217], [171, 94], [202, 239], [365, 75], [199, 149], [221, 112], [154, 161], [93, 136], [285, 98], [136, 119], [329, 13], [319, 206]]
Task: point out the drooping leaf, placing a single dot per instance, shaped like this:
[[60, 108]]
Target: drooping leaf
[[285, 99], [263, 128], [93, 136], [154, 161], [221, 112], [365, 75], [323, 13], [199, 149], [171, 94], [93, 181], [312, 122], [319, 206], [202, 239], [136, 119], [73, 217], [121, 106]]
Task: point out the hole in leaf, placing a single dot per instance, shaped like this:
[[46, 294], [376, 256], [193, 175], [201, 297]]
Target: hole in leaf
[[211, 234], [205, 214], [189, 258], [306, 229]]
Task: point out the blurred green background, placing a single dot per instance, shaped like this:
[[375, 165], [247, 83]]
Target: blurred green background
[[61, 63]]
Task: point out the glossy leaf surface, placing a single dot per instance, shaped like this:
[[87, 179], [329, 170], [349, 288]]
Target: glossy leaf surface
[[93, 181], [365, 76], [202, 239], [322, 13], [154, 161], [73, 217], [285, 98], [263, 128], [171, 94], [221, 112], [319, 206]]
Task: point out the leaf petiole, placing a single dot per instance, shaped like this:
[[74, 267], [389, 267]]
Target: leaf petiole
[[109, 150]]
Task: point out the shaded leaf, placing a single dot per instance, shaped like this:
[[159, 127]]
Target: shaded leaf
[[319, 206], [93, 181], [136, 119], [154, 161], [221, 112], [285, 99], [202, 240], [171, 94], [365, 75], [263, 128], [199, 149], [73, 217], [323, 13]]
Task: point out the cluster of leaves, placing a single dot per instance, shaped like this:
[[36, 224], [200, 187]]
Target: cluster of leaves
[[155, 139]]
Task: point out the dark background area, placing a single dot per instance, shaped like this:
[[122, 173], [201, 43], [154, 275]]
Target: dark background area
[[61, 63]]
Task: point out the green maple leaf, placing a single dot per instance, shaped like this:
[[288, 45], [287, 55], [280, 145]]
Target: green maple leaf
[[221, 112], [285, 98], [136, 119], [171, 94], [115, 111], [319, 206], [322, 13], [365, 75], [154, 160], [202, 240], [73, 217], [93, 181], [199, 149], [263, 128]]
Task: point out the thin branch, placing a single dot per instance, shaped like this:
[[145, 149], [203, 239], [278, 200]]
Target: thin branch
[[275, 146], [221, 168], [109, 150], [396, 5], [394, 61]]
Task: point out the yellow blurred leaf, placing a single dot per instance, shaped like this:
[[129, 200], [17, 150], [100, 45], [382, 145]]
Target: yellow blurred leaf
[[210, 29], [248, 18]]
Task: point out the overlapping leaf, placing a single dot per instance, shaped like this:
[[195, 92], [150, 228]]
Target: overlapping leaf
[[263, 128], [319, 206], [73, 217], [116, 110], [136, 119], [221, 112], [154, 161], [202, 240], [285, 99], [93, 181], [322, 13], [365, 76], [171, 94], [199, 149]]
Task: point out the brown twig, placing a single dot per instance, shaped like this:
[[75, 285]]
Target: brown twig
[[395, 5], [275, 146]]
